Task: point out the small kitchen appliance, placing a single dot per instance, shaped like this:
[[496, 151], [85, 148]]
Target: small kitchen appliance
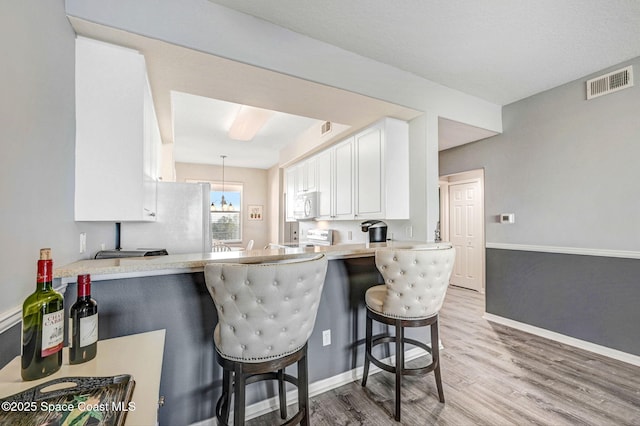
[[142, 252], [377, 230], [306, 206], [316, 237]]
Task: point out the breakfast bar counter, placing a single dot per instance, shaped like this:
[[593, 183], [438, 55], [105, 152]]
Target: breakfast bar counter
[[101, 269]]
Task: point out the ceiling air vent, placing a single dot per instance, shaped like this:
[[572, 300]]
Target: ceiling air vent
[[609, 83], [326, 128]]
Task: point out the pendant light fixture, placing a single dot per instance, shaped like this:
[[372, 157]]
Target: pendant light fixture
[[223, 202]]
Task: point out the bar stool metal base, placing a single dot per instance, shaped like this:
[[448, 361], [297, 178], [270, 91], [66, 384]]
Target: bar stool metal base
[[399, 369], [237, 374]]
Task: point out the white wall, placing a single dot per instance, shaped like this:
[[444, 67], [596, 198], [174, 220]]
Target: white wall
[[567, 168], [255, 191]]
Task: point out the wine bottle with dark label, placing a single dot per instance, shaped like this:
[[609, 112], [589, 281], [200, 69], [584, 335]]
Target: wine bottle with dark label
[[83, 324], [42, 324]]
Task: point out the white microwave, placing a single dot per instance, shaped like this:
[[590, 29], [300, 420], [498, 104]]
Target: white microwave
[[306, 206]]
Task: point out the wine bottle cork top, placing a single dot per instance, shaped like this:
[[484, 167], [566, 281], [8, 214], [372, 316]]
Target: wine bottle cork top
[[45, 254]]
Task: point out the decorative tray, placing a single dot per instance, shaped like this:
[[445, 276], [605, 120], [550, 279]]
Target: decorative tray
[[73, 401]]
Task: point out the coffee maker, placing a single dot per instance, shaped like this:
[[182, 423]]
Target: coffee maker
[[377, 230]]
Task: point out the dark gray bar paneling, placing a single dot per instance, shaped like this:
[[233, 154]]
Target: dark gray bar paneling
[[10, 342], [591, 298]]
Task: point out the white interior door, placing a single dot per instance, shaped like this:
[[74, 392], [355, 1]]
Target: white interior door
[[465, 227]]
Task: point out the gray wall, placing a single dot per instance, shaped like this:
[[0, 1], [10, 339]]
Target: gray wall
[[37, 144], [591, 298], [567, 168]]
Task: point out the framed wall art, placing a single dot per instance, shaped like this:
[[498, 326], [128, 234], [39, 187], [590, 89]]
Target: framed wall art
[[254, 212]]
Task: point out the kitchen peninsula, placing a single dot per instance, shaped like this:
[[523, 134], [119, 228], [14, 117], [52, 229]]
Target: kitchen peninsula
[[136, 295], [182, 263]]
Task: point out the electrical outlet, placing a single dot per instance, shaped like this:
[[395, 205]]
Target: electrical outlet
[[349, 235], [409, 231], [83, 242], [326, 337]]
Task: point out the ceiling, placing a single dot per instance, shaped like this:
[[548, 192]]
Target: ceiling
[[201, 125], [498, 50]]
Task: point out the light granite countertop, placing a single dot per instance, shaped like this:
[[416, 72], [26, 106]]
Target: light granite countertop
[[106, 269]]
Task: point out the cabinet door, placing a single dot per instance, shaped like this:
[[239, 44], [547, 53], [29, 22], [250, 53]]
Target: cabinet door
[[311, 174], [152, 144], [114, 177], [299, 179], [369, 174], [343, 185], [324, 165], [290, 196]]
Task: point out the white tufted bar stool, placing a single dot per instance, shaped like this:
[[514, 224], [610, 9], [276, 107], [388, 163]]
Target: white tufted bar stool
[[266, 314], [416, 281]]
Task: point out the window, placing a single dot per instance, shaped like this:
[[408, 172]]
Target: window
[[226, 217]]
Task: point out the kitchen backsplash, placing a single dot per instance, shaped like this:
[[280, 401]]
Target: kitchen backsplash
[[341, 228]]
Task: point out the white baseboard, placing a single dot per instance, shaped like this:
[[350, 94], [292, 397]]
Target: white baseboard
[[13, 316], [567, 340], [316, 388], [10, 318], [625, 254]]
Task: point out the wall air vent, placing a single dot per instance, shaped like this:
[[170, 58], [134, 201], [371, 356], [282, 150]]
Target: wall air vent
[[326, 128], [609, 83]]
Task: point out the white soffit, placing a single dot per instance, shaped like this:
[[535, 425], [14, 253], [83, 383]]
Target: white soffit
[[452, 133]]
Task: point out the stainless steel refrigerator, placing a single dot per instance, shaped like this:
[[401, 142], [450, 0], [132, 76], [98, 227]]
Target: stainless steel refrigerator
[[182, 223]]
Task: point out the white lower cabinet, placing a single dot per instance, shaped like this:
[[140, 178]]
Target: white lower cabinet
[[117, 136]]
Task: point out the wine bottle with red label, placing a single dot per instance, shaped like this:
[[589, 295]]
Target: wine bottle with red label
[[42, 324], [83, 324]]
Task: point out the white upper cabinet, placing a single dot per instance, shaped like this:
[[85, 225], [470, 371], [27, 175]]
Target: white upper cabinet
[[310, 175], [305, 178], [117, 136], [382, 171], [325, 189], [299, 178], [343, 181], [363, 177], [335, 182], [370, 173]]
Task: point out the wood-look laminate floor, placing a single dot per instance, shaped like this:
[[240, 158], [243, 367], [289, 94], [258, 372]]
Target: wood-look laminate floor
[[492, 375]]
